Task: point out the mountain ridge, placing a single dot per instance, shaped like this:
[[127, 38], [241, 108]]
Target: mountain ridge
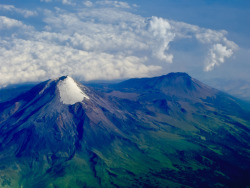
[[124, 136]]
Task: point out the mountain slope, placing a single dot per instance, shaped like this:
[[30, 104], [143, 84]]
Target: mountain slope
[[154, 132]]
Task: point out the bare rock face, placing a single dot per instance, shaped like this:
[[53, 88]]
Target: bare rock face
[[165, 131]]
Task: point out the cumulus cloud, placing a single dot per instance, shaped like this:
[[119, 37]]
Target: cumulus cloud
[[113, 31], [88, 3], [34, 60], [217, 55], [24, 12], [161, 31], [98, 40], [8, 23], [117, 4], [67, 2], [219, 47]]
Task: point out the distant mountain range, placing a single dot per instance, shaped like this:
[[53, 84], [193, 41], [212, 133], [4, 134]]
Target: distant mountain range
[[237, 88], [167, 131]]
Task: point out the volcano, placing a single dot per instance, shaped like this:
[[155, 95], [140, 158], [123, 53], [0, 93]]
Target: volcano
[[167, 131]]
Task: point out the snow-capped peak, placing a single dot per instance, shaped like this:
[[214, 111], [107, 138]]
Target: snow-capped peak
[[69, 91]]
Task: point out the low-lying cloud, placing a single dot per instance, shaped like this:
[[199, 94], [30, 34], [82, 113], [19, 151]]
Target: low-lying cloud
[[97, 40]]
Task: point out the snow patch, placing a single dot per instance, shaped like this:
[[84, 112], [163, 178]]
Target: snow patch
[[69, 91]]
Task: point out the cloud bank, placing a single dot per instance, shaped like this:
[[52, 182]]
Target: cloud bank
[[96, 40]]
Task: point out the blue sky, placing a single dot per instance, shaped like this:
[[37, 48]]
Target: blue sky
[[107, 40], [230, 15]]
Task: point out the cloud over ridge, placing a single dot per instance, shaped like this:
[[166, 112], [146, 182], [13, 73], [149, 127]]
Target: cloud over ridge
[[97, 40]]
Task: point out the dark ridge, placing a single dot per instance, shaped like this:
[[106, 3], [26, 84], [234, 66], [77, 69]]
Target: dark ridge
[[151, 82], [63, 77]]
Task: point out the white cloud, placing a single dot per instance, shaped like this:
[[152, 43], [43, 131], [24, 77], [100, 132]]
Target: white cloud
[[47, 1], [88, 3], [217, 55], [33, 60], [219, 47], [209, 36], [110, 30], [24, 12], [117, 4], [101, 40], [67, 2], [161, 31], [8, 23]]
